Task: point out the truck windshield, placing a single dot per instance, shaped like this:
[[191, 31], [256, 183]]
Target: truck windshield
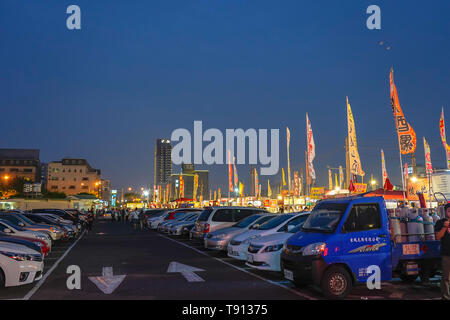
[[325, 217]]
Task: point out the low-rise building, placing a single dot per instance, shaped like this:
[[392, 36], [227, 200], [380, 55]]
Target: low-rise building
[[73, 176], [23, 163]]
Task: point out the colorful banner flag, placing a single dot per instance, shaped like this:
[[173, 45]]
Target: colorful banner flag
[[383, 168], [284, 180], [336, 180], [296, 184], [341, 176], [241, 189], [256, 182], [288, 137], [236, 180], [269, 190], [406, 135], [428, 165], [168, 192], [444, 138], [311, 153], [219, 196], [194, 194], [181, 187], [353, 155], [154, 193], [230, 173], [330, 180]]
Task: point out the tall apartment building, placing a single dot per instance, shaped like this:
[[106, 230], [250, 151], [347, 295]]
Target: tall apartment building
[[23, 163], [162, 162], [73, 176]]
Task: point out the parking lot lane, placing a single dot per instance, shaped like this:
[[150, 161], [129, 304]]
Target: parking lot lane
[[144, 256]]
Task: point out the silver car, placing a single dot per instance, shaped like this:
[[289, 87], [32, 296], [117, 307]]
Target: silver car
[[220, 217], [218, 240], [177, 228]]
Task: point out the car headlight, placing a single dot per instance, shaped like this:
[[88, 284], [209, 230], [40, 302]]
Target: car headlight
[[15, 256], [315, 249], [41, 237], [39, 244], [221, 236], [273, 248]]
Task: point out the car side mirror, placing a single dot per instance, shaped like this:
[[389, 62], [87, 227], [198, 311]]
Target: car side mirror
[[6, 230], [21, 224], [290, 227], [255, 226]]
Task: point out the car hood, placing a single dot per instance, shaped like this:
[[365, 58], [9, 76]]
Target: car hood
[[39, 226], [17, 248], [306, 238], [251, 233], [271, 239]]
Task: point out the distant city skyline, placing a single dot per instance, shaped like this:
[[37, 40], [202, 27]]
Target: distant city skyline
[[137, 71]]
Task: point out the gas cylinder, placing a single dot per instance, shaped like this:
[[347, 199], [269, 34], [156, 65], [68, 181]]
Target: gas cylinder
[[394, 224], [402, 216], [428, 224], [415, 225]]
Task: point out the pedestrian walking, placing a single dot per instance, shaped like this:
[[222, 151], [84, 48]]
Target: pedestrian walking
[[135, 218], [90, 221], [142, 219], [442, 229]]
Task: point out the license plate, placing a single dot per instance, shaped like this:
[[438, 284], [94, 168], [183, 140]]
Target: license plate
[[250, 258], [232, 253], [410, 249], [289, 275]]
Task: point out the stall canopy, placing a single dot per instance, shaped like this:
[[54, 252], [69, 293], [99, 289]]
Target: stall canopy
[[183, 200], [388, 195]]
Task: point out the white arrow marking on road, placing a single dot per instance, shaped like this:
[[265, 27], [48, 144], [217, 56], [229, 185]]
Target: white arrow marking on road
[[108, 282], [186, 271]]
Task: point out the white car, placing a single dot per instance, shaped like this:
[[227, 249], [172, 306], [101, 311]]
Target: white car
[[237, 247], [154, 222], [264, 253], [9, 228], [19, 265]]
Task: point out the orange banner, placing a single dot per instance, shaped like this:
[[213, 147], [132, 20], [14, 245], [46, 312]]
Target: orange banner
[[406, 135]]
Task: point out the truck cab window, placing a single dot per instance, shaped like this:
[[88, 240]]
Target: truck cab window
[[363, 217]]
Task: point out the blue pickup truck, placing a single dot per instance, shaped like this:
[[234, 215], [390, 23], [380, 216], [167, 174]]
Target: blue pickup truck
[[343, 237]]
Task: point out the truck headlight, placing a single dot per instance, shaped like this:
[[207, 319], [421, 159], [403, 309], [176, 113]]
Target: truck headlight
[[315, 249]]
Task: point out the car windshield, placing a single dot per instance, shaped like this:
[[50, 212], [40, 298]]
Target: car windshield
[[247, 221], [299, 224], [25, 219], [273, 223], [193, 217], [325, 217], [205, 215], [13, 226]]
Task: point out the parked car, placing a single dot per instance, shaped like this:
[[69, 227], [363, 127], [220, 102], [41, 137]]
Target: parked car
[[62, 213], [66, 223], [177, 228], [219, 239], [238, 246], [68, 231], [155, 220], [19, 264], [264, 252], [27, 242], [220, 217], [9, 228], [179, 216], [190, 216], [21, 220]]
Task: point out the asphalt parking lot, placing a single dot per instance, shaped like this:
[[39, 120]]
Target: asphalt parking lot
[[155, 266]]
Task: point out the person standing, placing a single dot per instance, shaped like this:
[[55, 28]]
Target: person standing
[[122, 213], [442, 229], [90, 221]]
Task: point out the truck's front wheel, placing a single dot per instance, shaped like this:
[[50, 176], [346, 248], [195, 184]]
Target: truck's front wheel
[[336, 283]]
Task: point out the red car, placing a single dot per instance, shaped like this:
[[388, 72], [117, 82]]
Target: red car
[[44, 248]]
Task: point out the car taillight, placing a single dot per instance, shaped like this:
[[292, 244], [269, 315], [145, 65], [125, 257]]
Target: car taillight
[[206, 228]]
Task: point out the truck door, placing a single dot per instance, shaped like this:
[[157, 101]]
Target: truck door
[[366, 241]]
